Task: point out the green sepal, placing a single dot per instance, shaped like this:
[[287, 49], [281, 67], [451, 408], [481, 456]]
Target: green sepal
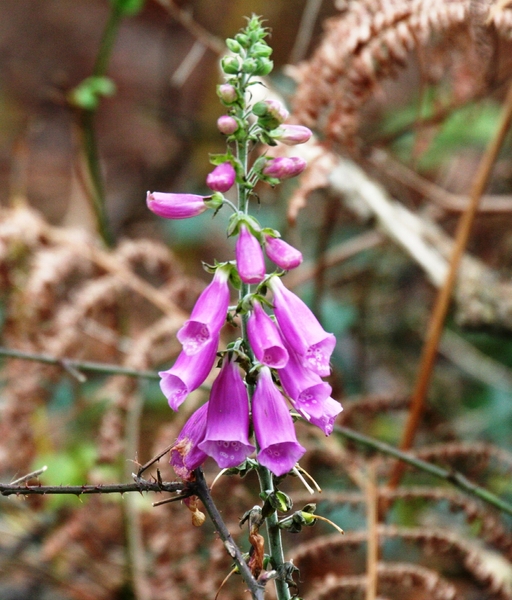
[[271, 232], [277, 500], [302, 518], [219, 159], [88, 93], [249, 464], [215, 202], [216, 265]]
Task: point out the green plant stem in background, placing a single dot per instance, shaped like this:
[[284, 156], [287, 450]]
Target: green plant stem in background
[[90, 145], [453, 477]]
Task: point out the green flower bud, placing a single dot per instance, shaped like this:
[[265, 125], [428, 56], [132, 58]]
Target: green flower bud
[[263, 67], [233, 45], [230, 65], [243, 40], [261, 50], [249, 65]]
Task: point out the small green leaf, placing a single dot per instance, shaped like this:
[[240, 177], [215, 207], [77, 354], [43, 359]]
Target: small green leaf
[[87, 94], [128, 7]]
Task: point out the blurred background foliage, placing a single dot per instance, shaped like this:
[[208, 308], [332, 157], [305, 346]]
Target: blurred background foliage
[[154, 122]]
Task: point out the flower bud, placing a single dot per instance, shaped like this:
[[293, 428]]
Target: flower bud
[[227, 93], [271, 109], [227, 125], [176, 206], [230, 65], [286, 257], [221, 178], [233, 45], [261, 50], [291, 135], [284, 167], [249, 257], [243, 40], [263, 67], [249, 65]]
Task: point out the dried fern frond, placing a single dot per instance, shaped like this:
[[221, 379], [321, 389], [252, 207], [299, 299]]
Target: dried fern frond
[[371, 39], [399, 581], [487, 568]]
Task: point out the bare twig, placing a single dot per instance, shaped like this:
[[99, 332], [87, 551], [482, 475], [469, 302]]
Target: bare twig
[[184, 18], [140, 485], [80, 365], [202, 491], [447, 200], [440, 310]]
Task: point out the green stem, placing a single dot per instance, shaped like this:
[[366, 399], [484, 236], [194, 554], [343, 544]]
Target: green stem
[[107, 41], [90, 145], [275, 545], [97, 195]]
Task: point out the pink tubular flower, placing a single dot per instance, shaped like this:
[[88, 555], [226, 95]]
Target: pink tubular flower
[[227, 125], [221, 178], [188, 373], [291, 135], [305, 389], [284, 255], [273, 427], [227, 429], [208, 315], [185, 454], [301, 329], [325, 421], [283, 167], [309, 395], [265, 339], [249, 257], [176, 206]]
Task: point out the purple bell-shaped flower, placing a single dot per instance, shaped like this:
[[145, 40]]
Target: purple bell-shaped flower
[[265, 339], [279, 450], [227, 430], [301, 329], [188, 373], [208, 315]]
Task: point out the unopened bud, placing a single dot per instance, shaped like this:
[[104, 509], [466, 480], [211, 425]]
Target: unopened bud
[[230, 65], [227, 93], [227, 125], [291, 135], [221, 178], [284, 167]]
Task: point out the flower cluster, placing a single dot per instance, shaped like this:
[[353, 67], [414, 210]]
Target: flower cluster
[[281, 359]]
